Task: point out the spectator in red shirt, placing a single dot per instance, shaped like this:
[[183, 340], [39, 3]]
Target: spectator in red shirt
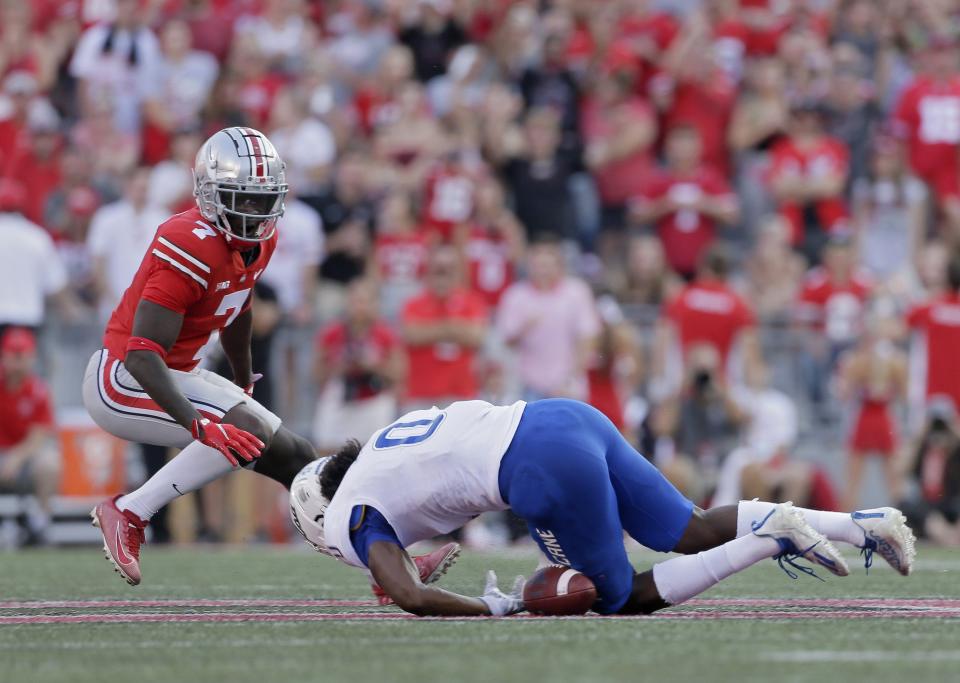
[[448, 195], [614, 369], [834, 295], [400, 253], [442, 328], [619, 129], [707, 312], [938, 323], [358, 367], [375, 100], [493, 243], [28, 462], [831, 306], [36, 161], [19, 87], [686, 202], [694, 88], [928, 117], [808, 175]]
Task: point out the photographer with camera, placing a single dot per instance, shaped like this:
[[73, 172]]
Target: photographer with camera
[[933, 510], [703, 420]]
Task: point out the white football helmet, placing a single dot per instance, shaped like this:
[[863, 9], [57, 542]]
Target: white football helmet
[[308, 504], [239, 183]]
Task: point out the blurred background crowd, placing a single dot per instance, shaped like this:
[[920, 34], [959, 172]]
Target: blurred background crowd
[[731, 225]]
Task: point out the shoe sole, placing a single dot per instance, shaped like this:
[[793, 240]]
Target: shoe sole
[[106, 551], [901, 540], [823, 553], [827, 556], [446, 563]]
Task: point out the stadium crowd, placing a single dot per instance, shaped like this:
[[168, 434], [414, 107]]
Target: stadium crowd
[[731, 225]]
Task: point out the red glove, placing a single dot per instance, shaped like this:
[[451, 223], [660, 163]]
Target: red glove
[[226, 438]]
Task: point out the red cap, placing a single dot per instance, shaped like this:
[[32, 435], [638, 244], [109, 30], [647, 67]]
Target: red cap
[[18, 340]]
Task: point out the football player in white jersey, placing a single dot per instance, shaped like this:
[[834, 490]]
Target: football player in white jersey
[[564, 468]]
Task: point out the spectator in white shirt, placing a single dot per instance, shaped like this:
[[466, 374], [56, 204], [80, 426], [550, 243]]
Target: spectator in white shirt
[[112, 60], [119, 235], [305, 143], [184, 78], [292, 271], [282, 32], [30, 267]]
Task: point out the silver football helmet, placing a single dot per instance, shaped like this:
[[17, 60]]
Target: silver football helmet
[[308, 505], [239, 183]]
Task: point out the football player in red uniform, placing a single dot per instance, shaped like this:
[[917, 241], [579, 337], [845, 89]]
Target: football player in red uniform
[[193, 289]]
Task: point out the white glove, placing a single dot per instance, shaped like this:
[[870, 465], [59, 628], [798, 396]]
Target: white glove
[[499, 603]]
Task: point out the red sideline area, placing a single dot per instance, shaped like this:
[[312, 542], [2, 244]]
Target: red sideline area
[[763, 609]]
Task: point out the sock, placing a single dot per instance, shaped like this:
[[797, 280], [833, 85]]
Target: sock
[[680, 578], [195, 466], [836, 526]]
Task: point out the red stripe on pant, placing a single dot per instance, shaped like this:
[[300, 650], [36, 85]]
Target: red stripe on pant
[[138, 404]]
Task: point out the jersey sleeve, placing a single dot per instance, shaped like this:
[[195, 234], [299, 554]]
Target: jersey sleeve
[[367, 526], [171, 289]]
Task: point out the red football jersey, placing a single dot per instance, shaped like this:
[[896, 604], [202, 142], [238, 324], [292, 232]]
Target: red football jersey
[[834, 308], [189, 268], [939, 320], [708, 106], [400, 258], [448, 200], [490, 266], [686, 233], [21, 409], [828, 156], [928, 116], [711, 313]]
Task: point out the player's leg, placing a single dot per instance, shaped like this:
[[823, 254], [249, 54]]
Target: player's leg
[[119, 405], [287, 454], [783, 532], [883, 530], [554, 477], [194, 467], [658, 516]]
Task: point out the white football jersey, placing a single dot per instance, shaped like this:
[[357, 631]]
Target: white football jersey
[[428, 473]]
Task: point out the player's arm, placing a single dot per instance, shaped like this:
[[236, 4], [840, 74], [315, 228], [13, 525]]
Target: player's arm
[[235, 340], [155, 329], [397, 575], [154, 323]]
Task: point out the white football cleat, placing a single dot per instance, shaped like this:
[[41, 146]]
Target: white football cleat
[[787, 526], [885, 531]]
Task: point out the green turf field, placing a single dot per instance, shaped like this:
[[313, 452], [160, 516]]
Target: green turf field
[[285, 603]]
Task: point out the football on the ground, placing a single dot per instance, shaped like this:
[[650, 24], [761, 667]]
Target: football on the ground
[[558, 591]]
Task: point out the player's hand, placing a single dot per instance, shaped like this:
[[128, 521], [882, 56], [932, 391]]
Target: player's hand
[[499, 603], [227, 439]]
